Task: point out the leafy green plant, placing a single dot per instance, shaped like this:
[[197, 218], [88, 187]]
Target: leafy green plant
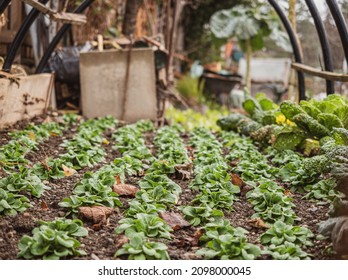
[[135, 207], [53, 240], [230, 247], [84, 159], [221, 199], [219, 227], [286, 251], [271, 204], [50, 169], [251, 25], [11, 204], [280, 232], [149, 224], [277, 212], [139, 248], [158, 195], [324, 190], [200, 214], [128, 165], [24, 181]]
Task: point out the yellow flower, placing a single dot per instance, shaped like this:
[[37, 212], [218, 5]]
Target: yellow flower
[[280, 119]]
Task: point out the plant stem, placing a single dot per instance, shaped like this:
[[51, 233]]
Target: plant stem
[[249, 53]]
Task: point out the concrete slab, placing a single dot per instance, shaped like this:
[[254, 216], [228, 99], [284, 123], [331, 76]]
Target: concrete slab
[[102, 78], [26, 100]]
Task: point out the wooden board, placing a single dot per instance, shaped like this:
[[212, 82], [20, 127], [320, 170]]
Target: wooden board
[[103, 77], [57, 16], [26, 100]]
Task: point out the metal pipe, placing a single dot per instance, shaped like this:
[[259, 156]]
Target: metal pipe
[[295, 47], [325, 46], [340, 23], [3, 5], [18, 40], [53, 44]]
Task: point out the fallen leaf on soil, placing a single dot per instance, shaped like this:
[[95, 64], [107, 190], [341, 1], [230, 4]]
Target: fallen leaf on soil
[[288, 193], [258, 223], [197, 236], [190, 148], [68, 171], [184, 170], [244, 189], [118, 179], [44, 205], [174, 220], [44, 164], [96, 214], [234, 163], [236, 180], [96, 227], [121, 240], [105, 142], [125, 189]]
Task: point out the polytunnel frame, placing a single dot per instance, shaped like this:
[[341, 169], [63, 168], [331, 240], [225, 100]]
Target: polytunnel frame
[[326, 50]]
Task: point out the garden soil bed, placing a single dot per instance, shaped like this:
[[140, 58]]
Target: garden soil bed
[[101, 243]]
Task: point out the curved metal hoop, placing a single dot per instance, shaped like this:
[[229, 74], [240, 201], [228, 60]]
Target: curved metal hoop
[[340, 23], [295, 46], [325, 46], [18, 40], [3, 5]]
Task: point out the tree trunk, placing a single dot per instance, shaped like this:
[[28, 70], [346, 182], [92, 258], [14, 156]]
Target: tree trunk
[[249, 53], [130, 17]]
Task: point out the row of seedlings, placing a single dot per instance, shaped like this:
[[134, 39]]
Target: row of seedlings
[[96, 189], [12, 154], [22, 179], [141, 221], [216, 193], [158, 194], [59, 238], [85, 149], [271, 202]]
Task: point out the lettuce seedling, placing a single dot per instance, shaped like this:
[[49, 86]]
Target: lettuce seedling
[[149, 224], [139, 248], [286, 251], [53, 240], [230, 247], [280, 232], [24, 181], [11, 204], [136, 207], [201, 214], [323, 192]]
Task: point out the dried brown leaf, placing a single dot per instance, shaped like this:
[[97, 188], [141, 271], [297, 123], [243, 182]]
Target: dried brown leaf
[[121, 240], [44, 205], [236, 180], [125, 190], [174, 220], [68, 171], [197, 236], [258, 223], [96, 214], [118, 179], [288, 193]]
